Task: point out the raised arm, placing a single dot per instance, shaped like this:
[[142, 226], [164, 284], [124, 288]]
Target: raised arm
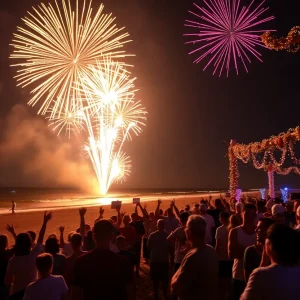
[[82, 212], [47, 218], [144, 211], [120, 217], [11, 230], [175, 208], [157, 214], [61, 236], [101, 212]]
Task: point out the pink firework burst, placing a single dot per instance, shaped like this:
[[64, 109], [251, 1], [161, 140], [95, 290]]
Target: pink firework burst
[[228, 33]]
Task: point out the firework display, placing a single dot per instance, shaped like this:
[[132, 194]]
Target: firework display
[[72, 56], [226, 33]]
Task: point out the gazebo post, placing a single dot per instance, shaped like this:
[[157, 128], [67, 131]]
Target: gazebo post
[[271, 181], [233, 171]]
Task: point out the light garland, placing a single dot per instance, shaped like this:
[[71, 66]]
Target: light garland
[[271, 183], [284, 193], [284, 143], [291, 43], [233, 171]]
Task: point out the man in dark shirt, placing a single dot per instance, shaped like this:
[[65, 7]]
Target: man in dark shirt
[[102, 274], [290, 215], [138, 224]]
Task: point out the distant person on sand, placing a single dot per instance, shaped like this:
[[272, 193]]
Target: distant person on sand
[[13, 207]]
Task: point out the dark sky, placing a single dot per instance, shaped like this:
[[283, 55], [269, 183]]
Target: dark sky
[[190, 111]]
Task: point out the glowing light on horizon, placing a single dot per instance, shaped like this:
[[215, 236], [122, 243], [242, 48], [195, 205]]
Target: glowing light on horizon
[[110, 115], [226, 33], [56, 45]]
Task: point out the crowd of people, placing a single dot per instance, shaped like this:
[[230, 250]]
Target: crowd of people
[[216, 250]]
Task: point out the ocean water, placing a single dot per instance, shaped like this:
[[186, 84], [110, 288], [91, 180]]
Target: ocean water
[[32, 199]]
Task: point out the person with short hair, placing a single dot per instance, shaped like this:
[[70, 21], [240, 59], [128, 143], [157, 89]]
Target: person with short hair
[[102, 273], [290, 214], [48, 286], [239, 239], [278, 214], [225, 263], [160, 251], [280, 280], [253, 254], [123, 250], [76, 243], [197, 277], [210, 224]]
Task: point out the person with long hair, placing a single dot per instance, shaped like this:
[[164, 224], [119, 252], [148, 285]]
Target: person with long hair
[[21, 269]]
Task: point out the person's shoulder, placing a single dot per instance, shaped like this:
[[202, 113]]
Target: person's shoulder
[[250, 249]]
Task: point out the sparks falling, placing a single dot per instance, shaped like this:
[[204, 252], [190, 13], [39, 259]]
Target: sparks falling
[[227, 33], [110, 115], [56, 45], [71, 57]]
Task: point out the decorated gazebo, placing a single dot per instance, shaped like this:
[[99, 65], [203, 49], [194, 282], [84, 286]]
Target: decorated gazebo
[[266, 149]]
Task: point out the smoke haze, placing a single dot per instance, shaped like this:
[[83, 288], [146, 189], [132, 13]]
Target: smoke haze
[[37, 157]]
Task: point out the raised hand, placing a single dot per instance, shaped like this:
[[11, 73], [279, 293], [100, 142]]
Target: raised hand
[[61, 229], [118, 208], [82, 211], [47, 217], [10, 228], [159, 201], [101, 211], [122, 214]]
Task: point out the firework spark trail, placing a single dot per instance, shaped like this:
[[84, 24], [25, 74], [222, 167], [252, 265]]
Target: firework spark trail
[[227, 33], [110, 113], [56, 46]]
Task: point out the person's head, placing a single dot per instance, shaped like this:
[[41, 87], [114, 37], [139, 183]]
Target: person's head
[[233, 221], [76, 241], [218, 203], [32, 235], [70, 236], [298, 215], [224, 218], [269, 205], [187, 208], [239, 207], [283, 245], [121, 242], [203, 209], [134, 217], [260, 206], [249, 213], [23, 244], [151, 215], [195, 229], [3, 242], [52, 235], [296, 204], [261, 229], [114, 219], [169, 212], [52, 246], [183, 217], [161, 224], [44, 264], [103, 232], [289, 206], [87, 227], [278, 214], [126, 220]]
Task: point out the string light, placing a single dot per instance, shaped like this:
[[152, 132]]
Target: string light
[[291, 43], [284, 193], [283, 143], [238, 194], [263, 193]]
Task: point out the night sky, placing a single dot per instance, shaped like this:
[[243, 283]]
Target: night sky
[[190, 112]]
